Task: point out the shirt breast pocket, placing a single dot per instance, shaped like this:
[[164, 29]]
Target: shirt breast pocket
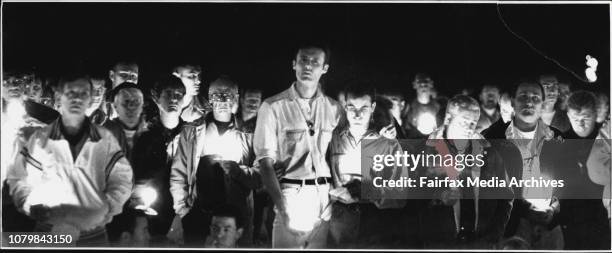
[[324, 139], [292, 138]]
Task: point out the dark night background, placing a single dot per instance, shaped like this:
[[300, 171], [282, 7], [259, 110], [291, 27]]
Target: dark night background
[[460, 45]]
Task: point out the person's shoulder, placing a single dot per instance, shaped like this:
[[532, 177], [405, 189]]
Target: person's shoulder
[[283, 95], [497, 130]]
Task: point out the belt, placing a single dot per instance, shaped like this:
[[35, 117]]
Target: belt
[[319, 180]]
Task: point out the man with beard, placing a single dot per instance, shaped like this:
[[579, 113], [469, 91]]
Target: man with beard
[[72, 176], [489, 114], [524, 141], [582, 216], [212, 167], [293, 132], [550, 115]]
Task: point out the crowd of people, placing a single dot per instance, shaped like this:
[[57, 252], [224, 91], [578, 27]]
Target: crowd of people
[[121, 164]]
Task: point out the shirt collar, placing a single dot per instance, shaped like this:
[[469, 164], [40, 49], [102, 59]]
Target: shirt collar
[[293, 94], [56, 133], [541, 130], [234, 123]]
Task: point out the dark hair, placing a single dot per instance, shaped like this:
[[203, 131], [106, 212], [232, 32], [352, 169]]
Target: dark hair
[[314, 44], [514, 242], [227, 81], [422, 75], [359, 88], [581, 99], [246, 90], [124, 62], [73, 77], [382, 114], [167, 82], [391, 91], [526, 82], [231, 211], [187, 64], [125, 85]]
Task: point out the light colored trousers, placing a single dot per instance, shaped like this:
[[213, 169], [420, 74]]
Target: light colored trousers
[[305, 204]]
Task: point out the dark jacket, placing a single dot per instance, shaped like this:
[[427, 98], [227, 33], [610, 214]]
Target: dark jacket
[[494, 203], [496, 133], [582, 214]]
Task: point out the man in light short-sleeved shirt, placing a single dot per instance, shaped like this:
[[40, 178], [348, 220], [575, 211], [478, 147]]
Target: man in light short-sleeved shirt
[[293, 131]]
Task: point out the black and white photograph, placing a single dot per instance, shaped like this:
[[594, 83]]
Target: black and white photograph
[[308, 125]]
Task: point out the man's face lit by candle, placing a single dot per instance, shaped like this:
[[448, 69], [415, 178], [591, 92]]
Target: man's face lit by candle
[[463, 124], [128, 104], [13, 86], [359, 111], [551, 88], [34, 90], [310, 65], [190, 76], [423, 85], [223, 99], [75, 97], [489, 97], [528, 102], [124, 73], [582, 121], [97, 95]]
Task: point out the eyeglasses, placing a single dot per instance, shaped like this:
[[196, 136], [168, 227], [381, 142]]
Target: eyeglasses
[[18, 81], [221, 97]]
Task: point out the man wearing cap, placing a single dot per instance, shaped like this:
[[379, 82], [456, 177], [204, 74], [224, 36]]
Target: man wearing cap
[[293, 132], [127, 127]]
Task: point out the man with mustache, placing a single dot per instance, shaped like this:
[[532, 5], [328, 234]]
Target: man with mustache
[[292, 135], [489, 114], [523, 142], [127, 127], [212, 167], [550, 115], [72, 176]]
